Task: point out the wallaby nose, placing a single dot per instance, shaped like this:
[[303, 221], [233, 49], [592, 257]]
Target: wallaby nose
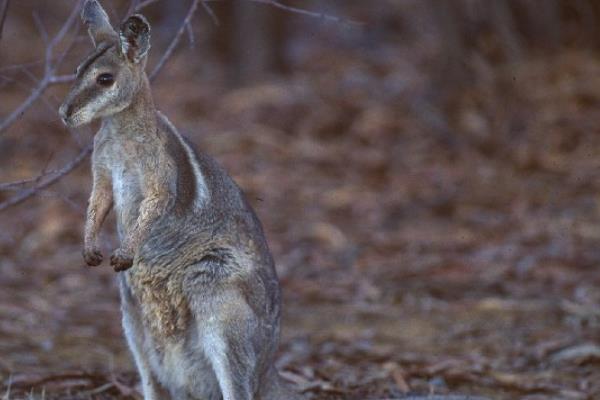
[[64, 112]]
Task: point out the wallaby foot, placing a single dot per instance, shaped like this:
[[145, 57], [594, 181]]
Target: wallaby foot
[[92, 256], [121, 260], [275, 388], [237, 377]]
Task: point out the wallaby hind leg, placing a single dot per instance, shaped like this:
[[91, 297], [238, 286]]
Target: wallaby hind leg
[[234, 341], [234, 364], [135, 335]]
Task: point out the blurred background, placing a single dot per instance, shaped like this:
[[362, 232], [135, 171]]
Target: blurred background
[[427, 173]]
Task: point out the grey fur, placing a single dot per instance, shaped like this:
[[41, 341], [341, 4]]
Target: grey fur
[[200, 296], [97, 22]]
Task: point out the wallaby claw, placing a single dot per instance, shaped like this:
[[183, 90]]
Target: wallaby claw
[[93, 257], [121, 261]]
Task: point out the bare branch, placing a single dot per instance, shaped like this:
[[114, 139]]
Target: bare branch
[[48, 69], [314, 14], [48, 77], [175, 41], [40, 27], [24, 106], [44, 183], [190, 32], [273, 3], [210, 12], [29, 74], [50, 193], [145, 3], [64, 54], [19, 184], [133, 6], [3, 14], [57, 79], [21, 66], [58, 38]]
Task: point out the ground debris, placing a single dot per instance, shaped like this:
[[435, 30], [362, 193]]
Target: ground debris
[[578, 354], [424, 248]]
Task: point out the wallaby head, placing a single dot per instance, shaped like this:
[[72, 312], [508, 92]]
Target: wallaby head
[[108, 80]]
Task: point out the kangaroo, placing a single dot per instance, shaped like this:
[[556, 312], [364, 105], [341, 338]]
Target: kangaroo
[[199, 294]]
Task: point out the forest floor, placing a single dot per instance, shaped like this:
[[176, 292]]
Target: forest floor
[[412, 259]]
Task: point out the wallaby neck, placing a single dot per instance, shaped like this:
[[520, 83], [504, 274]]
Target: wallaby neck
[[139, 118]]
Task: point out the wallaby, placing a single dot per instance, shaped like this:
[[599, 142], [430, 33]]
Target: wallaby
[[200, 296]]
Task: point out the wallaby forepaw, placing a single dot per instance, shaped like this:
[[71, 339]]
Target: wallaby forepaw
[[121, 260], [92, 256]]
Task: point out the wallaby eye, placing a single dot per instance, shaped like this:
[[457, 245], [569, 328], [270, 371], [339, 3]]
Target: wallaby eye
[[105, 79]]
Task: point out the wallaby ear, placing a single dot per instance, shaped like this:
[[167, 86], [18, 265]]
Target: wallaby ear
[[135, 38], [97, 22]]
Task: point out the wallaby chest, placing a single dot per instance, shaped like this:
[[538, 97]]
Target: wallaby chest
[[129, 161]]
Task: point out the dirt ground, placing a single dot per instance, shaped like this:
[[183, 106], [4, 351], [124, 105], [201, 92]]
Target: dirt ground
[[413, 260]]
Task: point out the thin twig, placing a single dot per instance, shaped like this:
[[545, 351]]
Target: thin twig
[[68, 167], [21, 66], [273, 3], [175, 41], [29, 74], [40, 27], [132, 7], [98, 390], [63, 55], [30, 100], [18, 184], [62, 79], [145, 3], [24, 106], [41, 62], [210, 12], [191, 38], [314, 14], [48, 77], [57, 195], [3, 14], [59, 37]]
